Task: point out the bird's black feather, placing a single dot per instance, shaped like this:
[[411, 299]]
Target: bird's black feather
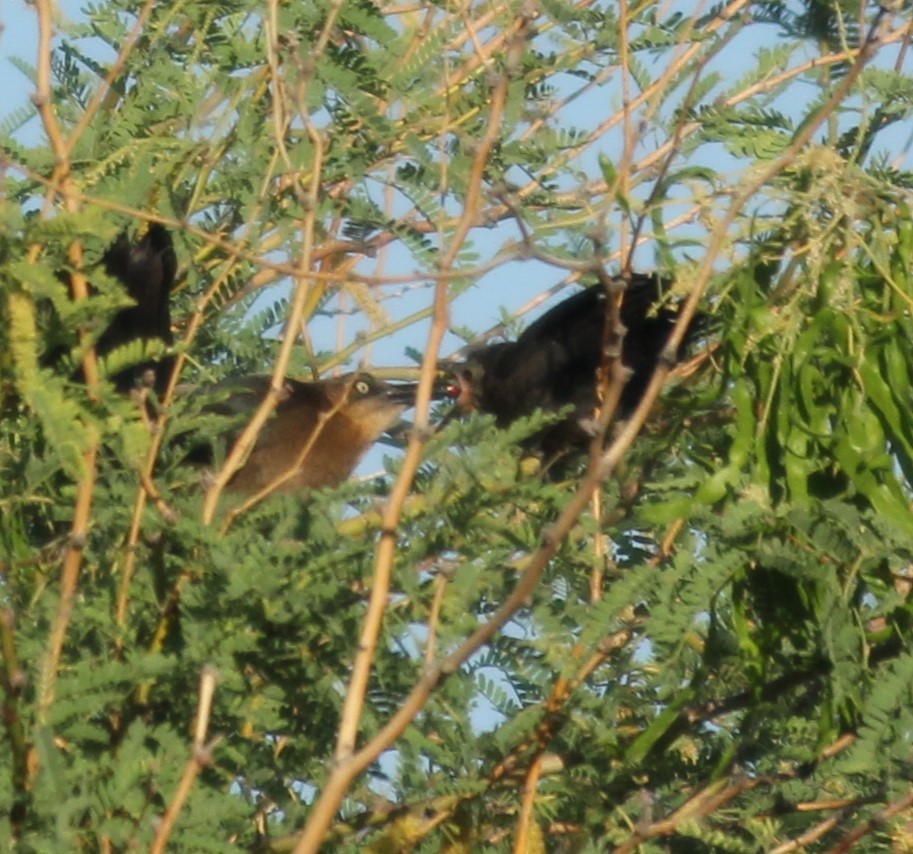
[[554, 362], [147, 271]]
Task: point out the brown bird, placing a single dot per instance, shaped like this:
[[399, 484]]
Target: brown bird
[[318, 432]]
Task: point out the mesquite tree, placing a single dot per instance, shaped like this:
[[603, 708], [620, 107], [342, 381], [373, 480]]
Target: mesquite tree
[[694, 639]]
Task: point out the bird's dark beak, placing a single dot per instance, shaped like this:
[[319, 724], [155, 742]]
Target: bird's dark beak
[[405, 393], [401, 393]]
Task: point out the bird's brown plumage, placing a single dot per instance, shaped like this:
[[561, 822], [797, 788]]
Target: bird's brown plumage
[[318, 432]]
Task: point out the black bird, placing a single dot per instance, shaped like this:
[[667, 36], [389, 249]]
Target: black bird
[[554, 363], [318, 432], [146, 269]]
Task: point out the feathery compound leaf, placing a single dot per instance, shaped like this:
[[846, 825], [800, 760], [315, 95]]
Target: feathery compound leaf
[[705, 650]]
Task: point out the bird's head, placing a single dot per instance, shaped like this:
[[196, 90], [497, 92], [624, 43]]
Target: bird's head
[[467, 387], [371, 404], [463, 385], [147, 270]]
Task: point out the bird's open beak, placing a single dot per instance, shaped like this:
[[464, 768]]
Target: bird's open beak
[[447, 385], [405, 392]]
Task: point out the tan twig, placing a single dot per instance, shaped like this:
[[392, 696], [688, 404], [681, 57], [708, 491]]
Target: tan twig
[[700, 805], [875, 822], [147, 485], [200, 758], [600, 549], [302, 273], [414, 702], [151, 490], [386, 549], [813, 834], [69, 578], [528, 806], [622, 183], [719, 235], [440, 585], [13, 681], [716, 795], [661, 84]]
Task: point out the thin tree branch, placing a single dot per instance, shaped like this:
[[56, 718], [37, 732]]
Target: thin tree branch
[[200, 758]]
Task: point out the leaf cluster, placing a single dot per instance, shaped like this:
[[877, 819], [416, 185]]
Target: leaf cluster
[[714, 656]]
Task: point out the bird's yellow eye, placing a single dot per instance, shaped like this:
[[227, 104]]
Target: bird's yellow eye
[[362, 387]]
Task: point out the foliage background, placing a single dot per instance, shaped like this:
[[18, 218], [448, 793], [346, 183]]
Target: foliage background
[[712, 656]]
